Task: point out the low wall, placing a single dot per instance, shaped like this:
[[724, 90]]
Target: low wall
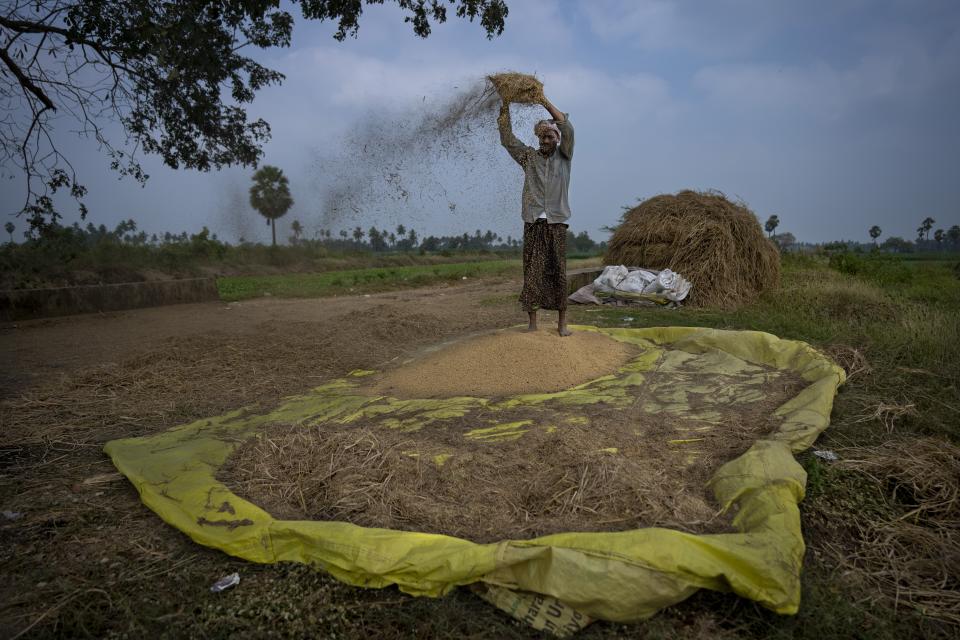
[[580, 277], [27, 304]]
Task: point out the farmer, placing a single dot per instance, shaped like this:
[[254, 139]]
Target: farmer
[[545, 211]]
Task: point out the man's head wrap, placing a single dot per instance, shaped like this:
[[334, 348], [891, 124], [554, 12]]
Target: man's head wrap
[[543, 125]]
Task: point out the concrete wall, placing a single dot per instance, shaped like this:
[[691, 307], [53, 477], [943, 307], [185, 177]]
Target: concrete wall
[[26, 304]]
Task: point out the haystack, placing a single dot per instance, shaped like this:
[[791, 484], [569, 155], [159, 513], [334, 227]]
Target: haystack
[[716, 244], [520, 88]]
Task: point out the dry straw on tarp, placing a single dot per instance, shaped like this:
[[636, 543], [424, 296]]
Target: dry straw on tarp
[[714, 243], [534, 469]]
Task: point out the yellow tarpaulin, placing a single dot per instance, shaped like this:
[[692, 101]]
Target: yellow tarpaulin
[[559, 581]]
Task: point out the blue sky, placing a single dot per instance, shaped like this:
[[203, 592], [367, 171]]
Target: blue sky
[[833, 115]]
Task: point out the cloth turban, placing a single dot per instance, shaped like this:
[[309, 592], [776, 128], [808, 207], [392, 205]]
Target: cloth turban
[[545, 125]]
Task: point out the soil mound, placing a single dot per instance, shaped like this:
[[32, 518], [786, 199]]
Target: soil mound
[[507, 363], [716, 244]]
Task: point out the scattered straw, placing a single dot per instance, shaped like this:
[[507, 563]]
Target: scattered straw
[[853, 361], [888, 413], [913, 557], [714, 243]]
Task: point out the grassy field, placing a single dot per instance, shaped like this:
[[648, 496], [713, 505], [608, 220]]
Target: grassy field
[[354, 281], [357, 281]]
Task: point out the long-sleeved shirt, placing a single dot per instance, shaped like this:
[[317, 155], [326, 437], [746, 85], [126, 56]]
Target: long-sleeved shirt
[[546, 178]]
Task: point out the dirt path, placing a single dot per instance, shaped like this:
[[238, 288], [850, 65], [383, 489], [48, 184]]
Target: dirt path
[[33, 350]]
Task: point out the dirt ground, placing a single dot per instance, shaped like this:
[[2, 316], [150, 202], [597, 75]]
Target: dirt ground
[[80, 554], [33, 350]]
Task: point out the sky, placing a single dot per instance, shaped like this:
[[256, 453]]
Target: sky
[[834, 115]]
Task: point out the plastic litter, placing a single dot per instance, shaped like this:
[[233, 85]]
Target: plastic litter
[[826, 455], [12, 515], [226, 582]]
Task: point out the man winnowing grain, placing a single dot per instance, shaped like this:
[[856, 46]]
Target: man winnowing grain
[[545, 211]]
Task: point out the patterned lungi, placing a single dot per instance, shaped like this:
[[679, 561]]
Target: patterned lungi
[[544, 266]]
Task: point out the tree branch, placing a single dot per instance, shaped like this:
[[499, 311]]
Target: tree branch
[[24, 81]]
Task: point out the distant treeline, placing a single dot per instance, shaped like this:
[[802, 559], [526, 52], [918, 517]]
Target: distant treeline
[[403, 239], [893, 244], [77, 254]]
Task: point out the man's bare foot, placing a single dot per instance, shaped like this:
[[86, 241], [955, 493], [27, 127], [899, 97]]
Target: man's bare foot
[[562, 324]]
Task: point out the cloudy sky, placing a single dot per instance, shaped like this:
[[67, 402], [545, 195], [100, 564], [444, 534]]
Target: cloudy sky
[[835, 115]]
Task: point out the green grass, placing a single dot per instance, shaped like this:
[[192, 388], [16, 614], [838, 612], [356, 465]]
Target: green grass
[[371, 280], [356, 281]]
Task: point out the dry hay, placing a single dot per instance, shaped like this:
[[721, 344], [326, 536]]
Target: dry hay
[[605, 469], [716, 244], [519, 88], [507, 363], [913, 556], [852, 360]]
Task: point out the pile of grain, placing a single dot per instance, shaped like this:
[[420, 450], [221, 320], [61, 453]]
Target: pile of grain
[[716, 244], [507, 363]]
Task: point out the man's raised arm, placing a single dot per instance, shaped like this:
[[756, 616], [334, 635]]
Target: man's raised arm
[[566, 129], [514, 147]]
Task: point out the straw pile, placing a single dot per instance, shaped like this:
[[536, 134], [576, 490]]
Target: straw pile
[[716, 244], [600, 476], [519, 88], [538, 470]]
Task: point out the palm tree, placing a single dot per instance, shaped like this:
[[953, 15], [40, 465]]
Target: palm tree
[[954, 234], [875, 232], [771, 225], [401, 231], [938, 235], [358, 235], [270, 196], [10, 229], [297, 230], [926, 225]]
